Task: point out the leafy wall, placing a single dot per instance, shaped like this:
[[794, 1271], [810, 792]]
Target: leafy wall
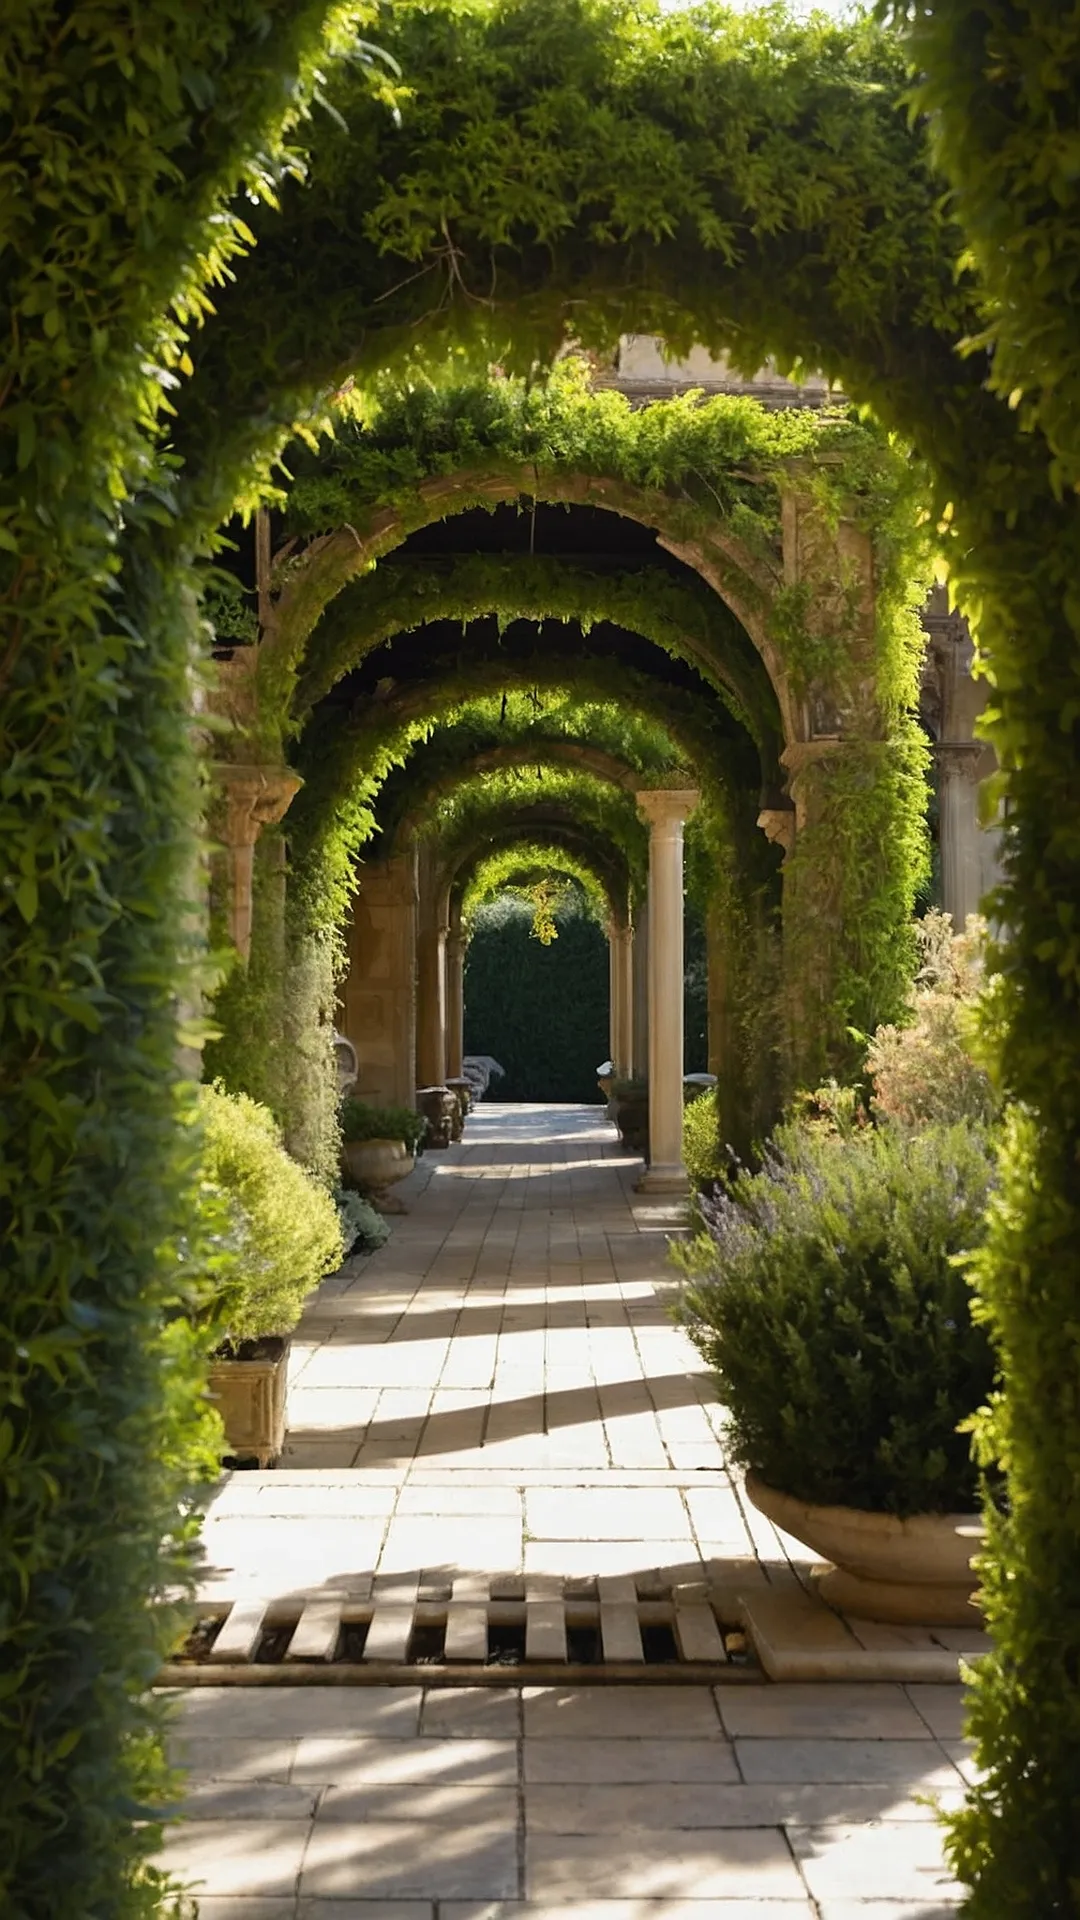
[[542, 1010]]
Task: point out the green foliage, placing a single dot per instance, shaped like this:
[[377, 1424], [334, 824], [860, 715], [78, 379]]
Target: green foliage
[[829, 1303], [542, 1011], [859, 865], [522, 865], [363, 1230], [247, 1053], [129, 142], [1015, 1842], [283, 1227], [996, 84], [703, 1157], [924, 1070], [359, 1121]]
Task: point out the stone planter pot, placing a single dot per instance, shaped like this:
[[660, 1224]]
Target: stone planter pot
[[250, 1396], [439, 1107], [913, 1572], [462, 1093], [377, 1163], [631, 1116]]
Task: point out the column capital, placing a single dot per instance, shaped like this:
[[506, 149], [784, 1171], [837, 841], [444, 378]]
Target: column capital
[[255, 796], [961, 759], [666, 806]]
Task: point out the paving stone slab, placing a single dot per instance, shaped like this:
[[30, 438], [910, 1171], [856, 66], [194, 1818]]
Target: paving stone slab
[[920, 1763], [570, 1713], [607, 1808], [277, 1713], [409, 1859], [350, 1761], [718, 1864], [906, 1862], [826, 1712], [251, 1857], [796, 1909], [658, 1761]]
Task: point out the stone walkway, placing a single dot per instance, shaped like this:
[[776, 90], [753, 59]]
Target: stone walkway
[[500, 1390]]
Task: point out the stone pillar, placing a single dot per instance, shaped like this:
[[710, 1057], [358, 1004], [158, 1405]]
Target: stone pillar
[[252, 797], [639, 1061], [621, 948], [431, 931], [378, 1012], [958, 764], [455, 993], [666, 813]]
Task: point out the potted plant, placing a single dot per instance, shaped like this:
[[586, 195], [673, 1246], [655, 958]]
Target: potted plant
[[379, 1144], [630, 1099], [280, 1232], [827, 1298]]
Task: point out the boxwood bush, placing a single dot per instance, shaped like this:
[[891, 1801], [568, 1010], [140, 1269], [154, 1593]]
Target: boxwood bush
[[702, 1155], [827, 1299], [281, 1227]]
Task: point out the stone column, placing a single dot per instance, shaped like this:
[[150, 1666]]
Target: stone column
[[431, 931], [252, 797], [455, 993], [621, 951], [378, 1002], [639, 1052], [666, 813], [960, 766]]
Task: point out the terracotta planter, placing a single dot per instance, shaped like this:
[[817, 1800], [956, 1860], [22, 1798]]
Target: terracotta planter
[[377, 1163], [907, 1572], [250, 1396]]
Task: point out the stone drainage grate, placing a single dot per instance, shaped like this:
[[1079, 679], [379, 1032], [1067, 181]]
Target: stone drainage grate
[[475, 1630]]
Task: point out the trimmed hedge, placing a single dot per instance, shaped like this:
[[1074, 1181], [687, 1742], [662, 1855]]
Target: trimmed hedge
[[541, 1010], [283, 1231]]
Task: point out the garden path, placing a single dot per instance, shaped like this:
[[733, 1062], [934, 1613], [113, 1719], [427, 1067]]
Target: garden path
[[501, 1390]]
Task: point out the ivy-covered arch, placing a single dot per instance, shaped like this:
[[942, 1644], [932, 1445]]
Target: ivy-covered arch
[[682, 622], [576, 757], [523, 864]]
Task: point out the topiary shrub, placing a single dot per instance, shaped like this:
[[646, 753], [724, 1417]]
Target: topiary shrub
[[701, 1141], [280, 1226], [827, 1298], [359, 1121]]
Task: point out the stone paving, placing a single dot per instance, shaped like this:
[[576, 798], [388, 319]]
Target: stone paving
[[501, 1389]]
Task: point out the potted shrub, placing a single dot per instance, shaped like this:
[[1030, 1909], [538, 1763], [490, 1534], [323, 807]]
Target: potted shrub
[[379, 1144], [827, 1298], [281, 1233]]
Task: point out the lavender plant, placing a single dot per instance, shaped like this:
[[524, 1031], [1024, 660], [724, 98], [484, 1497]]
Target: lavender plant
[[827, 1298]]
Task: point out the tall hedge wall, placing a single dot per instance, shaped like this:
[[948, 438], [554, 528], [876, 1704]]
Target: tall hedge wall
[[541, 1010]]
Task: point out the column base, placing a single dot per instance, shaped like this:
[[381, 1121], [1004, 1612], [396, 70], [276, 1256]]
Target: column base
[[665, 1177]]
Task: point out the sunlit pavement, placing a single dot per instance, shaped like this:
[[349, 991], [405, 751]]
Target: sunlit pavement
[[502, 1389]]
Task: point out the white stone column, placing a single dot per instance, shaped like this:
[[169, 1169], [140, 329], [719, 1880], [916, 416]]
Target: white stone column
[[666, 812], [621, 975], [624, 1024], [455, 996], [960, 765], [639, 1050]]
